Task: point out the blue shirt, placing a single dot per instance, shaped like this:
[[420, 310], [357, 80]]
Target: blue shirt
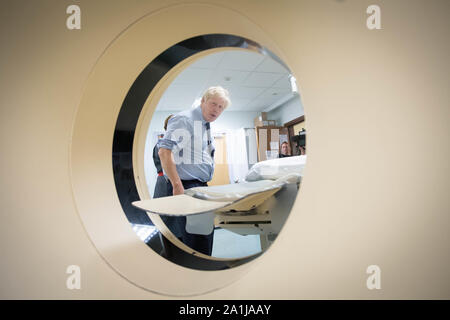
[[189, 138]]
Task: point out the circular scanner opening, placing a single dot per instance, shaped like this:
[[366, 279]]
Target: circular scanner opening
[[259, 144]]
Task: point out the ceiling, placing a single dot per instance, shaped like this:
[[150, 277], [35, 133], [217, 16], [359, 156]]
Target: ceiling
[[255, 82]]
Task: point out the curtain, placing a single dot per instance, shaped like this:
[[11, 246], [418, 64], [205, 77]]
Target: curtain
[[236, 155]]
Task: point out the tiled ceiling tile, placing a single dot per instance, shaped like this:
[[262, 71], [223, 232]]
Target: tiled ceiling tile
[[235, 71], [283, 82], [242, 92], [193, 76], [210, 61], [226, 77], [270, 65], [262, 79], [240, 60]]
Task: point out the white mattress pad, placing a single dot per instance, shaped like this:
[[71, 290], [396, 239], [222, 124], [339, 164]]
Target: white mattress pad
[[235, 191]]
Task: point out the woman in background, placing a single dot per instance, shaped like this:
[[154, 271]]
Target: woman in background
[[161, 182]]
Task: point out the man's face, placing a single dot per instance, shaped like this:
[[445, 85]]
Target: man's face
[[284, 148], [212, 108]]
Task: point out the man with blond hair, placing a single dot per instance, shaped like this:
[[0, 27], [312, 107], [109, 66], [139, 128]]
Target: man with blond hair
[[187, 157]]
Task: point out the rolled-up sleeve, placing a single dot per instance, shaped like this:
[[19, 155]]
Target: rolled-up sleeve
[[174, 123], [166, 144]]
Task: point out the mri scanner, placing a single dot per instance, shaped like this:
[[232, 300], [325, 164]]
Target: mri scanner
[[372, 97], [260, 205]]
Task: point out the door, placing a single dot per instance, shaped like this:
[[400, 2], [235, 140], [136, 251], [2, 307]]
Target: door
[[221, 174]]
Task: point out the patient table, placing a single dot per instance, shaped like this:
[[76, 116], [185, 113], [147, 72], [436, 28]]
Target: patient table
[[259, 205]]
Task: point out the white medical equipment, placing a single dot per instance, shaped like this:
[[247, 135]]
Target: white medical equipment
[[260, 205]]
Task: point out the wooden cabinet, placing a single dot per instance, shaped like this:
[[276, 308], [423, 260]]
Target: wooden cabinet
[[294, 127], [269, 140]]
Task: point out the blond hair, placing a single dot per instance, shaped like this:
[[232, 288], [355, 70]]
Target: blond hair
[[217, 92]]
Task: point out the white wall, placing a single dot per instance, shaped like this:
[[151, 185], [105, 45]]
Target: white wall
[[234, 120], [286, 112]]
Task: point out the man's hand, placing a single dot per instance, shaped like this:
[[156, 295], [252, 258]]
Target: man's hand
[[168, 164], [178, 189]]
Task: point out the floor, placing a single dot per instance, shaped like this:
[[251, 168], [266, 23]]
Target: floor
[[228, 244]]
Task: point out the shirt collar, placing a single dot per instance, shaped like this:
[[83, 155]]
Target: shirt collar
[[197, 114]]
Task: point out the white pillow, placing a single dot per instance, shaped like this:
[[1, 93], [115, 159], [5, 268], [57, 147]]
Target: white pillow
[[276, 168]]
